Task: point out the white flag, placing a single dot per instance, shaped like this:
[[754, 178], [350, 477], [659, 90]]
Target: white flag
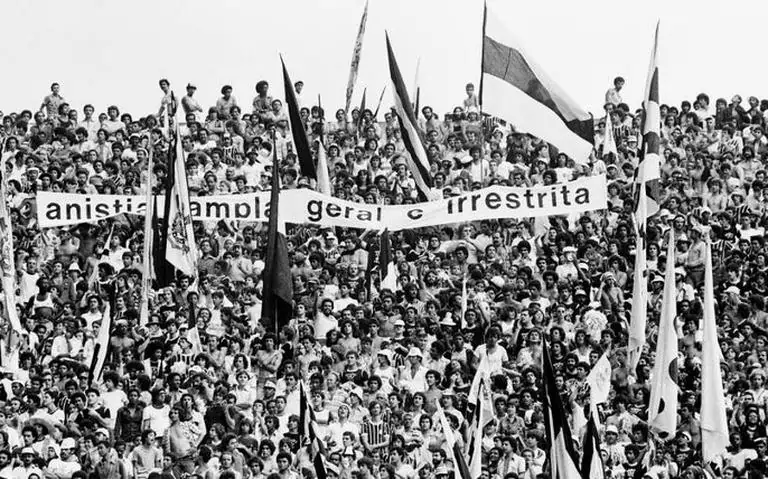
[[181, 249]]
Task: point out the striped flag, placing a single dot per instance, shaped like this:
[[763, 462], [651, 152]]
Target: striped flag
[[417, 160], [662, 410], [181, 249], [149, 216], [639, 313], [323, 175], [308, 432], [714, 423], [591, 462], [353, 68], [101, 347], [387, 269], [7, 258], [562, 457], [298, 132], [649, 167], [277, 306], [457, 455], [609, 140], [515, 88]]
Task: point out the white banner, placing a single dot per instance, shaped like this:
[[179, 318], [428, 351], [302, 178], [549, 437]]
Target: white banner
[[307, 206]]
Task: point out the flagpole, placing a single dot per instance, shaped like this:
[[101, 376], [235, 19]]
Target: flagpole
[[149, 209], [378, 105]]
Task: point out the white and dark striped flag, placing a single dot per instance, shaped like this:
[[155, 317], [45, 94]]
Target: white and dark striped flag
[[308, 432], [649, 167], [456, 454], [515, 88], [591, 462], [562, 456], [417, 160], [181, 249]]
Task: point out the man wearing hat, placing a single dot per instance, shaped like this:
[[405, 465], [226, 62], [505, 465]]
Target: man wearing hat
[[413, 375], [27, 466], [66, 464], [190, 104]]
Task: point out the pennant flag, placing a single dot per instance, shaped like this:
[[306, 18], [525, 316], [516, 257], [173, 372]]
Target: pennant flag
[[714, 423], [277, 289], [417, 160], [562, 457], [591, 462], [599, 380], [101, 347], [7, 258], [482, 415], [323, 175], [609, 140], [298, 132], [662, 411], [354, 66], [457, 455], [149, 217], [181, 249], [387, 269], [515, 88], [649, 168]]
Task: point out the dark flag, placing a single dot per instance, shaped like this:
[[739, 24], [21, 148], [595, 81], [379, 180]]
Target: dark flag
[[277, 302], [300, 140], [562, 457], [417, 160], [361, 110], [591, 462]]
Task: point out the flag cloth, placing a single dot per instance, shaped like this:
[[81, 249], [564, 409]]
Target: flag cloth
[[662, 410], [354, 66], [149, 216], [308, 432], [562, 457], [417, 160], [638, 318], [609, 140], [515, 88], [457, 455], [649, 167], [361, 110], [193, 336], [482, 415], [7, 258], [181, 249], [298, 132], [277, 289], [378, 105], [101, 347], [387, 269], [714, 424], [417, 89], [599, 380], [591, 462], [323, 176]]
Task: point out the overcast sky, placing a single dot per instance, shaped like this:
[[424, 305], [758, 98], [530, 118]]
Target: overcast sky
[[105, 52]]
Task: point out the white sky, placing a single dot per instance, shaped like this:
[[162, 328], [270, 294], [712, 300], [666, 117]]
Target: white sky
[[104, 52]]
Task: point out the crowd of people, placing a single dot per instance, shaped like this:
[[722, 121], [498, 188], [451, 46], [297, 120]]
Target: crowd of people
[[374, 362]]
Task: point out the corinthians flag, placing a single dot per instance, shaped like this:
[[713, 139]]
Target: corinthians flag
[[562, 457], [515, 88]]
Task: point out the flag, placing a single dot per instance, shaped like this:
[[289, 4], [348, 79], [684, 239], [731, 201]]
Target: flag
[[353, 67], [662, 410], [609, 140], [591, 462], [162, 271], [378, 105], [649, 168], [714, 424], [387, 269], [298, 132], [308, 432], [277, 281], [464, 304], [101, 347], [361, 110], [7, 258], [457, 455], [638, 318], [599, 380], [562, 457], [417, 160], [149, 216], [181, 249], [323, 175], [482, 415], [515, 88], [193, 336]]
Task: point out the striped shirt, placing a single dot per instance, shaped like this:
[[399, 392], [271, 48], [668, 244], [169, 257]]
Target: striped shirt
[[376, 433]]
